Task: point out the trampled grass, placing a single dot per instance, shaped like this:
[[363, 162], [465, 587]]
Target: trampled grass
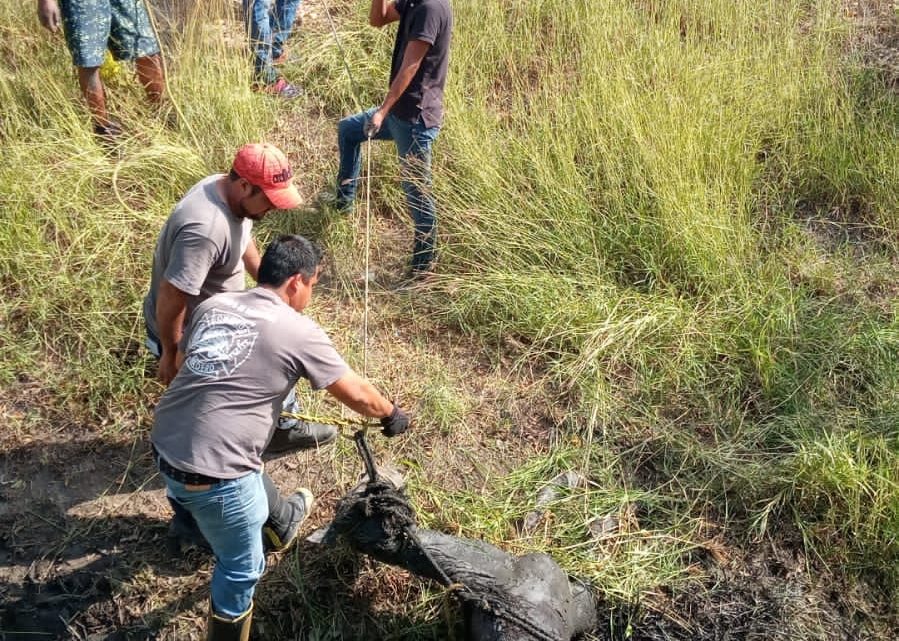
[[685, 211]]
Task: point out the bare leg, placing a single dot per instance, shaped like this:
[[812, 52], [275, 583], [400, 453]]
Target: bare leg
[[94, 95], [151, 76]]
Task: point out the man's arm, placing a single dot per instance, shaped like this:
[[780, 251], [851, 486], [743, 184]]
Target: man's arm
[[382, 12], [48, 13], [360, 396], [251, 260], [412, 57], [171, 307]]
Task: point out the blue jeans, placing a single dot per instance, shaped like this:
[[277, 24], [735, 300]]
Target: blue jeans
[[230, 515], [268, 23], [292, 405], [413, 144]]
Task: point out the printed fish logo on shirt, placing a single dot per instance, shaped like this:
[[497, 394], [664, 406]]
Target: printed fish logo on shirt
[[220, 343]]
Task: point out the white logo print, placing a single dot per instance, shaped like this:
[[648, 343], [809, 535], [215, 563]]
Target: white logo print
[[221, 342]]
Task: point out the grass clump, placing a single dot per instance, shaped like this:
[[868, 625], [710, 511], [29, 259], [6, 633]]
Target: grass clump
[[844, 483]]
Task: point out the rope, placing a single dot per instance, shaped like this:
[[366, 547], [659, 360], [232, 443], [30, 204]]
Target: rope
[[359, 436], [333, 420], [354, 90], [367, 244]]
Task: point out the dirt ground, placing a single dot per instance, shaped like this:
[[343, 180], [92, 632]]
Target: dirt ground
[[83, 517]]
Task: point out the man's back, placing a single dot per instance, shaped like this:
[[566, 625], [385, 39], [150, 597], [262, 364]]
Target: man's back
[[199, 249], [243, 352]]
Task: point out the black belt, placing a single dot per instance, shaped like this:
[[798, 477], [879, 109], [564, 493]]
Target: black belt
[[187, 478]]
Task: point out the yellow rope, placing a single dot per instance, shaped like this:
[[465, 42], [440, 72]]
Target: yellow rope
[[360, 423], [331, 420]]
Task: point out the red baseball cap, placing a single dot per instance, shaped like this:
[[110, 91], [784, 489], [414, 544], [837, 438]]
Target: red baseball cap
[[266, 167]]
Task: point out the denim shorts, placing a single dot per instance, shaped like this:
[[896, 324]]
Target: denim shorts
[[93, 26]]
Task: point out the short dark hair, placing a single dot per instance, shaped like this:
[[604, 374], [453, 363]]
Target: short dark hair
[[287, 256], [233, 175]]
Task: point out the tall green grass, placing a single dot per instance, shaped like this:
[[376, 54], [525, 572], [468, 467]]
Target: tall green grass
[[688, 210], [617, 178]]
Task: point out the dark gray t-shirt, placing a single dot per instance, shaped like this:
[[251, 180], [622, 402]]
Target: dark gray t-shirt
[[244, 351], [200, 248], [430, 21]]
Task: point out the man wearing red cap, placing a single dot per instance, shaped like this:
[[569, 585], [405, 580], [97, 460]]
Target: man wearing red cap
[[205, 246], [204, 249]]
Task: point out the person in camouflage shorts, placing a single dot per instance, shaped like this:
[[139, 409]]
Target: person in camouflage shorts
[[93, 26]]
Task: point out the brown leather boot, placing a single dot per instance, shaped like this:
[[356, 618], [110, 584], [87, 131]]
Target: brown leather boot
[[224, 629]]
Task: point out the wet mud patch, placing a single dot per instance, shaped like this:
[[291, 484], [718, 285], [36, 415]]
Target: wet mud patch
[[769, 593], [82, 522]]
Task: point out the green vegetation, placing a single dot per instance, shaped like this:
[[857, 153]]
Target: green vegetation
[[685, 211]]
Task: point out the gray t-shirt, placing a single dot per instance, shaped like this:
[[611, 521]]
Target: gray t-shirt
[[243, 352], [200, 249]]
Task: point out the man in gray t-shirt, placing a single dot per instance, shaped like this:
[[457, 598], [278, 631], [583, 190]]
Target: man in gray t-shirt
[[241, 353], [205, 248], [206, 245]]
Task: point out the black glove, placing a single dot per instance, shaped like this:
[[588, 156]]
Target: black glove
[[396, 423]]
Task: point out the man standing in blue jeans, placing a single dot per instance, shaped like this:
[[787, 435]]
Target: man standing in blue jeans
[[241, 353], [269, 23], [410, 115]]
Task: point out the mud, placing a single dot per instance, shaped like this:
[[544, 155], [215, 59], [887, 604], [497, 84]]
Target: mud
[[506, 598]]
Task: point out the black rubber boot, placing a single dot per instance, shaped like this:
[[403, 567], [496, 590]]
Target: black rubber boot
[[285, 515], [224, 629], [183, 531], [302, 436]]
